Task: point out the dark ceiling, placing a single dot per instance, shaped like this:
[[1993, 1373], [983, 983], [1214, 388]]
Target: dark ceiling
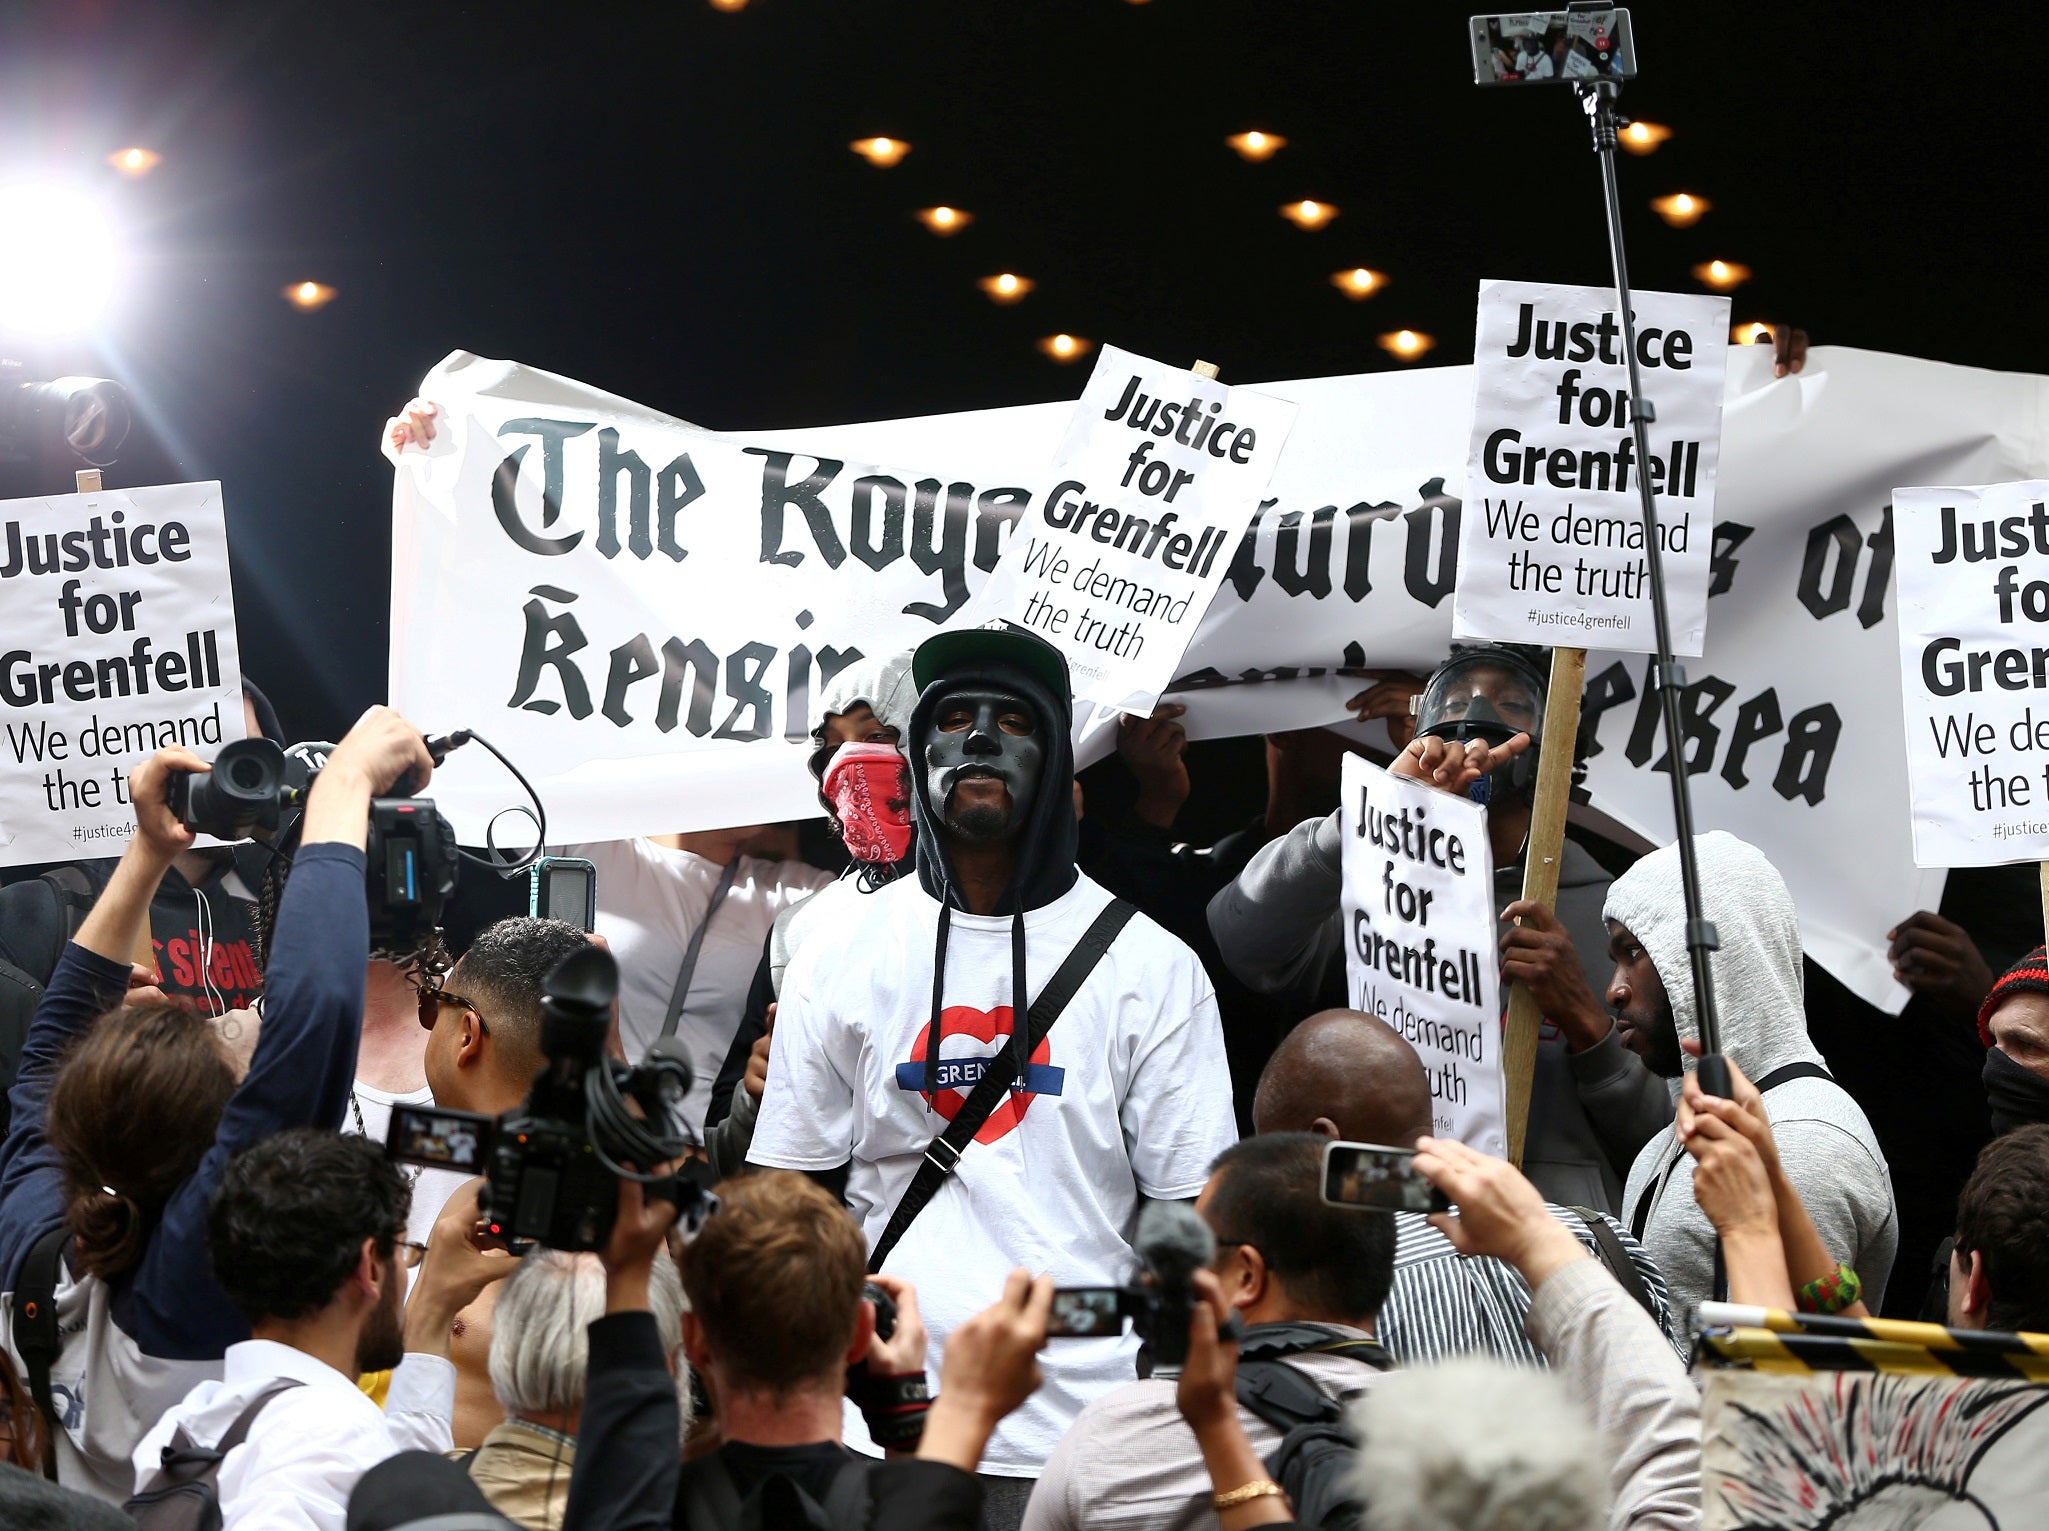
[[659, 199]]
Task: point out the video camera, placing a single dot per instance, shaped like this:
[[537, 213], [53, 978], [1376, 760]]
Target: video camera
[[1173, 1243], [90, 416], [553, 1164], [256, 791]]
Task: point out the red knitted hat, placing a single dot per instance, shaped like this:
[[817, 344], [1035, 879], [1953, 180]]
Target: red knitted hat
[[2030, 975]]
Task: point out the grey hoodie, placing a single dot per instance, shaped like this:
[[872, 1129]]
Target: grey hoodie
[[1826, 1145]]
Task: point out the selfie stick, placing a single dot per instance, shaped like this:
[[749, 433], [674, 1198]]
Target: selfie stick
[[1598, 97]]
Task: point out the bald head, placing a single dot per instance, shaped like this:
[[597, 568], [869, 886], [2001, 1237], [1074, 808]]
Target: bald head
[[1344, 1075]]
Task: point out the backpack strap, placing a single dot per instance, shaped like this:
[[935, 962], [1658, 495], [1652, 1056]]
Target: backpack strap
[[76, 894], [36, 1339], [1284, 1396], [942, 1154], [1649, 1196], [1786, 1073], [184, 1460], [707, 1494], [1612, 1253], [850, 1500]]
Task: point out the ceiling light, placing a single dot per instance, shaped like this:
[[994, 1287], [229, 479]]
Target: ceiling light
[[1064, 347], [1681, 210], [1358, 282], [1307, 214], [1406, 345], [1722, 275], [1255, 145], [307, 296], [880, 152], [1006, 286], [945, 220], [134, 161], [1643, 137], [57, 263]]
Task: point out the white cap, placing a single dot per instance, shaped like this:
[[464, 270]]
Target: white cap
[[884, 684]]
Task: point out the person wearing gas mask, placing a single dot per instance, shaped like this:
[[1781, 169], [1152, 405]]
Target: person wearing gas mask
[[891, 1015], [1593, 1104]]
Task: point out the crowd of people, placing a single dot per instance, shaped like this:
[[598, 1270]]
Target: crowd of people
[[1015, 1047]]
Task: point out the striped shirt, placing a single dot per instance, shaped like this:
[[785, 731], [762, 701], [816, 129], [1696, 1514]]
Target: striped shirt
[[1443, 1304]]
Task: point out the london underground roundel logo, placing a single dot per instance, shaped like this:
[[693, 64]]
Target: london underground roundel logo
[[955, 1076]]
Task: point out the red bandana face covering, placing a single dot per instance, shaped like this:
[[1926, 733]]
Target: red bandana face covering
[[870, 789]]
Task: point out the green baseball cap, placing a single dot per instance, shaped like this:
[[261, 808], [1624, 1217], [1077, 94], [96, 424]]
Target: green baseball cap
[[999, 642]]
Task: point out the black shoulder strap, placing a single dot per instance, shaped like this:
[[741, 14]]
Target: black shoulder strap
[[680, 994], [1284, 1396], [1786, 1073], [942, 1154], [36, 1339], [707, 1494], [76, 894], [1615, 1256]]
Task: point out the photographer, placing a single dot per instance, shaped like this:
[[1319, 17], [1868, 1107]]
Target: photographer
[[125, 1117], [777, 1316]]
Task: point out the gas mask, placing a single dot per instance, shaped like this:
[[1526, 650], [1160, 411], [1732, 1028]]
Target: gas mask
[[868, 785], [969, 742], [1490, 694]]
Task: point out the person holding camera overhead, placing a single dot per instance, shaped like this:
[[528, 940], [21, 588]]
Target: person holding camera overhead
[[127, 1110], [893, 1017]]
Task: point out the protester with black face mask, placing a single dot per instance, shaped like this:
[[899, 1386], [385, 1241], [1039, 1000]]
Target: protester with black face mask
[[890, 1016], [1593, 1105], [2013, 1023]]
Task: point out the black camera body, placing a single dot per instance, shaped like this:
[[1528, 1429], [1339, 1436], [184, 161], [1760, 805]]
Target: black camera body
[[552, 1164], [257, 791]]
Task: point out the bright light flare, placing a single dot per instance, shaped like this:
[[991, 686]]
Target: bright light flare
[[1065, 348], [1006, 287], [1722, 275], [1256, 146], [307, 296], [1755, 333], [135, 162], [57, 261], [1358, 283], [1308, 214], [880, 152], [944, 221], [1406, 345], [1643, 137], [729, 5], [1682, 209]]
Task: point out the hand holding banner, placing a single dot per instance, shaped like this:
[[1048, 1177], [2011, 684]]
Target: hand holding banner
[[1160, 472], [1419, 939]]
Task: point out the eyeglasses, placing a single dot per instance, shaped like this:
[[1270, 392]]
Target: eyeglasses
[[410, 1252], [431, 1000]]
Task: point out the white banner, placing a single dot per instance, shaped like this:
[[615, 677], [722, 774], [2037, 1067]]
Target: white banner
[[1973, 579], [793, 559], [1554, 551], [1159, 473], [119, 627], [1420, 953]]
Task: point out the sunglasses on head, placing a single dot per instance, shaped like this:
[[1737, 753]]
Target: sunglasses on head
[[432, 1000]]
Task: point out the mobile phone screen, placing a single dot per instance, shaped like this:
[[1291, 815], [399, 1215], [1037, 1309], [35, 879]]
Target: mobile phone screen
[[1553, 47], [1383, 1179], [447, 1139], [1080, 1312]]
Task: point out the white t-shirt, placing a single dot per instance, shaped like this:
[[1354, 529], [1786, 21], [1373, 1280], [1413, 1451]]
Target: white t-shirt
[[371, 1116], [1129, 1095], [650, 900]]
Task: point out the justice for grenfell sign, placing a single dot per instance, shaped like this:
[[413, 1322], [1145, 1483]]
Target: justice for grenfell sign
[[1973, 572], [118, 630], [1419, 940], [1153, 486], [1552, 546]]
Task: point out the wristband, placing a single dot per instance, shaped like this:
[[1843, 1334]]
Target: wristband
[[1831, 1293], [893, 1407], [1260, 1488]]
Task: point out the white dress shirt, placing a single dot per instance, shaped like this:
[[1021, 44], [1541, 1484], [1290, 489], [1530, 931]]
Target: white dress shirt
[[311, 1443]]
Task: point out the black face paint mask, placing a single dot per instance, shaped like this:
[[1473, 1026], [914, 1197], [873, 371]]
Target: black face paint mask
[[983, 748], [2017, 1095]]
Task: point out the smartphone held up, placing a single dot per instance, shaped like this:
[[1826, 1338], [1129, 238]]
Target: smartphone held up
[[1553, 47], [1378, 1178]]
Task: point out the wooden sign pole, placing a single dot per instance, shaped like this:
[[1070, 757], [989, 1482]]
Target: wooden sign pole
[[1540, 877]]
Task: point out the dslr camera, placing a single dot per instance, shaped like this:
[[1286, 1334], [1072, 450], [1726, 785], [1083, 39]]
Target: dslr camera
[[552, 1165], [257, 791]]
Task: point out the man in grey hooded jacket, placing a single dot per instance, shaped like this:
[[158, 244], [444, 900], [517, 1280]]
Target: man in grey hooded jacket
[[1825, 1144]]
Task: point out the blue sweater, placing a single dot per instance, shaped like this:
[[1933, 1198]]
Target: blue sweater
[[305, 1061]]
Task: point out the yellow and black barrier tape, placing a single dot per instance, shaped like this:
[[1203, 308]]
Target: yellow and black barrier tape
[[1771, 1340]]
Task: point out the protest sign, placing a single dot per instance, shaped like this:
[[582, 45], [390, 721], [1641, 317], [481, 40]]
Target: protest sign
[[1554, 552], [1973, 572], [1418, 909], [1350, 564], [1160, 471], [120, 641]]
